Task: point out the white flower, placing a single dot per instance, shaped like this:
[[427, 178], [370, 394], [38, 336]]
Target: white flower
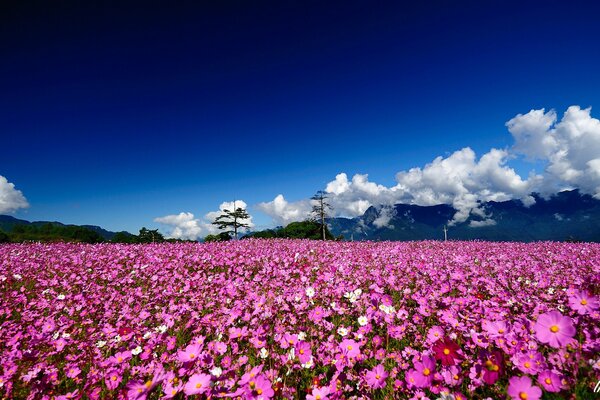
[[60, 297], [66, 335], [117, 338], [18, 277], [147, 335], [263, 353], [342, 331], [136, 351], [561, 308], [301, 336], [161, 329], [309, 363], [56, 335], [100, 344], [551, 290], [358, 292], [216, 371], [292, 354], [362, 320], [310, 292]]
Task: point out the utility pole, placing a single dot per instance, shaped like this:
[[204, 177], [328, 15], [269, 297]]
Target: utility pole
[[445, 233]]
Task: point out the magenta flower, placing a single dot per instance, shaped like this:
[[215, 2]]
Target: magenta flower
[[303, 352], [318, 394], [493, 366], [583, 302], [198, 383], [137, 390], [422, 375], [350, 348], [554, 328], [446, 351], [550, 381], [112, 379], [261, 387], [376, 377], [190, 354], [520, 388]]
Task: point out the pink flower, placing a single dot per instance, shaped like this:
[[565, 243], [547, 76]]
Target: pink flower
[[303, 352], [550, 381], [582, 302], [376, 377], [520, 388], [190, 354], [318, 394], [422, 375], [434, 334], [198, 383], [493, 366], [554, 328], [72, 372], [350, 348], [137, 390], [120, 357], [261, 388], [112, 379]]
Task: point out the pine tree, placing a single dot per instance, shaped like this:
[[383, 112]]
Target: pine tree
[[320, 209], [232, 219]]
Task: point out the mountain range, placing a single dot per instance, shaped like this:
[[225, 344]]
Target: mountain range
[[7, 223], [568, 215]]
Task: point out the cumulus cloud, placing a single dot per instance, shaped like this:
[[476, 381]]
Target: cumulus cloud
[[284, 212], [186, 226], [385, 216], [11, 199], [569, 149]]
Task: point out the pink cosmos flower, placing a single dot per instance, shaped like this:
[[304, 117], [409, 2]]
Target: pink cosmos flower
[[434, 334], [112, 379], [350, 348], [493, 366], [261, 388], [198, 383], [251, 375], [422, 375], [318, 394], [303, 352], [376, 377], [120, 357], [554, 328], [583, 302], [72, 372], [137, 390], [520, 388], [550, 381], [190, 354]]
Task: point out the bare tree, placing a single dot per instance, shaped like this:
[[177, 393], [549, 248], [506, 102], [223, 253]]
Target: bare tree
[[320, 209]]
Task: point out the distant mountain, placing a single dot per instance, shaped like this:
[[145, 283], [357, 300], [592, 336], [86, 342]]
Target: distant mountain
[[568, 215], [7, 223]]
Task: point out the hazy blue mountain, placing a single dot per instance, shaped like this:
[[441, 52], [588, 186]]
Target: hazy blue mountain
[[568, 215], [7, 223]]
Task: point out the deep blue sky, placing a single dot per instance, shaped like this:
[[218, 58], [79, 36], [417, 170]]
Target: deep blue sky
[[115, 115]]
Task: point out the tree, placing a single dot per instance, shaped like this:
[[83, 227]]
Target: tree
[[221, 237], [124, 237], [320, 209], [150, 236], [4, 238], [232, 219]]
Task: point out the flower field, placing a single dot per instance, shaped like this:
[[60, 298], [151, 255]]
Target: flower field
[[262, 319]]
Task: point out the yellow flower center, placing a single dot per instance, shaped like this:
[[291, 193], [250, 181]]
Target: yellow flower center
[[252, 384], [500, 330], [148, 384], [426, 372], [301, 351], [318, 397], [198, 385], [349, 347], [495, 368], [456, 377], [523, 395], [113, 378], [377, 376], [173, 392], [527, 364], [192, 356], [554, 328], [548, 381], [120, 359], [583, 302], [259, 391], [446, 351]]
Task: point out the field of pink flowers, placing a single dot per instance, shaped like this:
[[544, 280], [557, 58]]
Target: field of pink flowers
[[299, 319]]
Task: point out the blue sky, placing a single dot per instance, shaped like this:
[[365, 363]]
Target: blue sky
[[117, 115]]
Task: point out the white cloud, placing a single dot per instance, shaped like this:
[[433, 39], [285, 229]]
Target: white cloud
[[11, 199], [284, 212], [485, 222], [570, 148], [185, 226], [385, 216]]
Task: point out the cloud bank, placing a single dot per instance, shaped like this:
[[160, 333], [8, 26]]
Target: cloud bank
[[11, 199], [569, 149], [186, 226]]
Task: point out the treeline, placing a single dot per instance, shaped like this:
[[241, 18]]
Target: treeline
[[79, 234], [295, 230]]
